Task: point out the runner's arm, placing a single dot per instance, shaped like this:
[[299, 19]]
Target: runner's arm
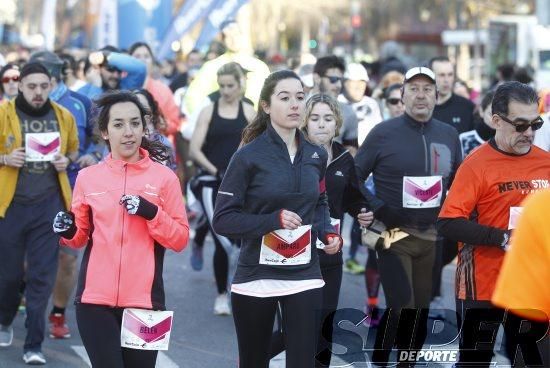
[[470, 232]]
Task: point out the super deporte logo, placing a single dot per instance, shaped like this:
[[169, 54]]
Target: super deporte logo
[[526, 186]]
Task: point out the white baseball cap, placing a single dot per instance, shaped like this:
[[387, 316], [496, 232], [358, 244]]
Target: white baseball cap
[[356, 71], [419, 70]]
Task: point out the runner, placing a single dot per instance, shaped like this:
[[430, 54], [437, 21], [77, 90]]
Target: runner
[[127, 211], [323, 121], [482, 208], [413, 159], [38, 140], [215, 139], [483, 127], [9, 81], [392, 98], [273, 198]]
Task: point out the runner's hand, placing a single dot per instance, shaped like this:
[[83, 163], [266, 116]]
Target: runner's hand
[[60, 162], [334, 244], [137, 205], [289, 220], [64, 224], [365, 218]]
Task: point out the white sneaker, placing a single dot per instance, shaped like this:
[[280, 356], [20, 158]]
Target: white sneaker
[[6, 335], [34, 358], [437, 309], [221, 305]]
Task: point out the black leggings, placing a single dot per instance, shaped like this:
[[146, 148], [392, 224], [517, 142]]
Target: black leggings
[[445, 251], [330, 294], [254, 319], [99, 328]]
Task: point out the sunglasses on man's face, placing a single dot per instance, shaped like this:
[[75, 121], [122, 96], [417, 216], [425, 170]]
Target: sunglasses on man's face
[[112, 69], [393, 101], [15, 78], [334, 79], [522, 125]]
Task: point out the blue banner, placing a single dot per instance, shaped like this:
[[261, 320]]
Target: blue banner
[[191, 12], [223, 10], [143, 20]]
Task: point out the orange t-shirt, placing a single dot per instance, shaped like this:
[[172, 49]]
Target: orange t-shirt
[[524, 280], [491, 184]]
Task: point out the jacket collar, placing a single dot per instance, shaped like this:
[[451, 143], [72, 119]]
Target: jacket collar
[[274, 137], [338, 150], [415, 124], [143, 163]]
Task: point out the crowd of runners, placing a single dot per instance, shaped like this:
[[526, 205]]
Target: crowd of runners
[[109, 161]]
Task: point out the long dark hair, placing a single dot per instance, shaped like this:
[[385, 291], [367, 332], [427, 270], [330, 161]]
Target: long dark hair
[[156, 114], [157, 151], [259, 124]]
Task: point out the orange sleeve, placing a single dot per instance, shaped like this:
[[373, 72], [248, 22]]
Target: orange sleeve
[[524, 280], [463, 195]]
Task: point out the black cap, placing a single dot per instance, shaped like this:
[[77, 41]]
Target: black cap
[[34, 67]]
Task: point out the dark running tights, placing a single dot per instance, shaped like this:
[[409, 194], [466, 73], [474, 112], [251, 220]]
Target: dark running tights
[[254, 319], [99, 328]]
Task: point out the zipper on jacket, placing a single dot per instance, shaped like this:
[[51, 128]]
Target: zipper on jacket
[[425, 149], [121, 236]]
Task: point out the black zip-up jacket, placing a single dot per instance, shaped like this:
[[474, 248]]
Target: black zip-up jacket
[[343, 194], [401, 147], [260, 182]]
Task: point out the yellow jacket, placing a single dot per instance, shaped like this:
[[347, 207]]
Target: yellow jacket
[[11, 138]]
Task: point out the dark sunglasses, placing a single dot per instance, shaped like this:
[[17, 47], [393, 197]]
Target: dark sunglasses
[[393, 101], [522, 125], [15, 78], [334, 79], [112, 69]]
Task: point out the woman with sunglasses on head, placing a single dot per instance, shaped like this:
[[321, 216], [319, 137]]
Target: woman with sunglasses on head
[[216, 138], [9, 78], [273, 198], [126, 210], [323, 120]]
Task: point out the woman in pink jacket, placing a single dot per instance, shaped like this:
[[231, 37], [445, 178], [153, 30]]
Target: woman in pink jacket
[[126, 211]]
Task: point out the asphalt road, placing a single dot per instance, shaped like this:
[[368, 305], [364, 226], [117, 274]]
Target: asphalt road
[[201, 340]]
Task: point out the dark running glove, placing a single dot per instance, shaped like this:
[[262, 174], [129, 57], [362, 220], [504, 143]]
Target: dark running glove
[[64, 224], [137, 205]]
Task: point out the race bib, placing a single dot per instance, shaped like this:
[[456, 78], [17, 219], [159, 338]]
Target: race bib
[[145, 329], [336, 224], [41, 146], [515, 212], [286, 247], [422, 191]]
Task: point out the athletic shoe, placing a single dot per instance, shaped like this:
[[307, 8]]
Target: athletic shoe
[[22, 305], [34, 358], [221, 305], [58, 327], [437, 309], [373, 316], [6, 335], [197, 259], [353, 267]]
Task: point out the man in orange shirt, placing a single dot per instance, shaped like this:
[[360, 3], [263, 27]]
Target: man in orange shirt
[[522, 286], [482, 208]]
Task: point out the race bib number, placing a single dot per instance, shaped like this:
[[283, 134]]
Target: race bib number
[[336, 225], [515, 212], [286, 247], [41, 146], [422, 191], [145, 329]]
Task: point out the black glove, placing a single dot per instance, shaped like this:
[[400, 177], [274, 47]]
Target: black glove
[[391, 217], [505, 244], [137, 205], [64, 224]]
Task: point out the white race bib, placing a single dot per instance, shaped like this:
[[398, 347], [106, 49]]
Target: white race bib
[[286, 247], [422, 191], [336, 225], [146, 329], [515, 212], [42, 146]]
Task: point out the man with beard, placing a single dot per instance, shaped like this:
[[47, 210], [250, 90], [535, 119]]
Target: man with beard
[[482, 209], [38, 140], [116, 71]]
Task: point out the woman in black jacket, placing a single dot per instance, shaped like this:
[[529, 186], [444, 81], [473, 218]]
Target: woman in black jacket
[[273, 198], [321, 125]]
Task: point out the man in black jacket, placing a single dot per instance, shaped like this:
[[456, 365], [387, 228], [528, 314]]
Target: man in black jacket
[[413, 159]]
